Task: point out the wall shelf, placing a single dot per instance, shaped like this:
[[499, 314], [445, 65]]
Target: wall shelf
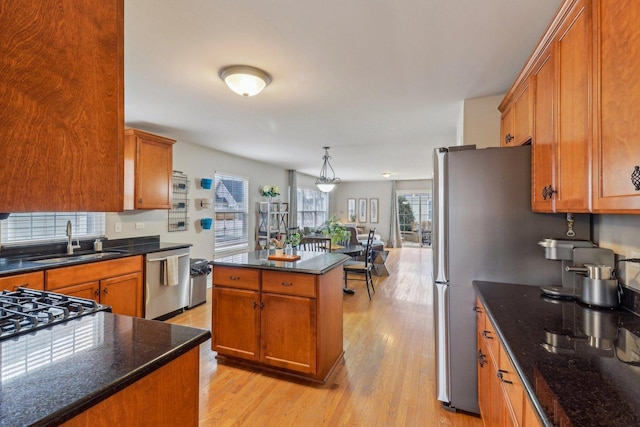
[[178, 213]]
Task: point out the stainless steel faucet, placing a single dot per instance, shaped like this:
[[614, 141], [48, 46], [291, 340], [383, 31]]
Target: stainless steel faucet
[[70, 245]]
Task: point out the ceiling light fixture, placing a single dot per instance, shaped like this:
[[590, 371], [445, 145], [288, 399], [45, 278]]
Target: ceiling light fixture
[[244, 79], [324, 183], [386, 174]]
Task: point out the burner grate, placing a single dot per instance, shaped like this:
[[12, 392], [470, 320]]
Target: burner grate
[[25, 310]]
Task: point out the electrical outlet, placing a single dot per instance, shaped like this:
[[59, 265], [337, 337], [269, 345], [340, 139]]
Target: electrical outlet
[[118, 227], [139, 225]]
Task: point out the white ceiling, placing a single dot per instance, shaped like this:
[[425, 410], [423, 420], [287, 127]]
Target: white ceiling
[[379, 81]]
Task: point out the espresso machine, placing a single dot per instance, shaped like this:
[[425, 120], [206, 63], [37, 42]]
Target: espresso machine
[[587, 272]]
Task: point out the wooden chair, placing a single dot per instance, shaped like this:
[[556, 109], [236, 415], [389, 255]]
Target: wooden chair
[[362, 268], [316, 244]]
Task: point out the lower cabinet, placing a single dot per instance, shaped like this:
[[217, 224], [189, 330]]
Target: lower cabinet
[[27, 280], [501, 395], [117, 283], [280, 320]]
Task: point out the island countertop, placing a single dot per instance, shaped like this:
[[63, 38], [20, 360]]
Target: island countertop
[[582, 361], [309, 262], [55, 373]]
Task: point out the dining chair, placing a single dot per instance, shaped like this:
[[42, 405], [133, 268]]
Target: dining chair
[[316, 244], [362, 268]]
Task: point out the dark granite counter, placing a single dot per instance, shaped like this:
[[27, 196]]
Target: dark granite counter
[[21, 260], [583, 360], [309, 262], [56, 373]]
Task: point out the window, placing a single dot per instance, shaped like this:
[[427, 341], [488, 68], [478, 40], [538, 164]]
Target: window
[[45, 227], [313, 208], [232, 208], [415, 215]]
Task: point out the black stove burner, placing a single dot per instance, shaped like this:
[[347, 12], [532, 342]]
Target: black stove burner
[[25, 310]]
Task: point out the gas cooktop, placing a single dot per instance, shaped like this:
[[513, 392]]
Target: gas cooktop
[[25, 310]]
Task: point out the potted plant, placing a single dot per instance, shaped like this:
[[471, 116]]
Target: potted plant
[[294, 240], [336, 231]]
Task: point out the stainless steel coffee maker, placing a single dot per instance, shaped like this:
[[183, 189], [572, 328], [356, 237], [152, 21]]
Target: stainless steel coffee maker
[[587, 272]]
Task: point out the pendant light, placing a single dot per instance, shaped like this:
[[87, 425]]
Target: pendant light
[[324, 182], [244, 79]]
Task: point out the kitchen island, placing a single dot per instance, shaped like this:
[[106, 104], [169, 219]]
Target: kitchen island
[[578, 365], [102, 369], [278, 315]]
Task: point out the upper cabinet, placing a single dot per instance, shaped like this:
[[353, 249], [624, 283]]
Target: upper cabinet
[[586, 96], [61, 106], [516, 120], [616, 136], [148, 170]]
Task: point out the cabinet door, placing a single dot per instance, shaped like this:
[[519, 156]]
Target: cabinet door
[[288, 332], [496, 398], [544, 136], [153, 174], [484, 371], [574, 114], [89, 290], [522, 115], [62, 68], [616, 153], [27, 280], [123, 294], [235, 323], [506, 128]]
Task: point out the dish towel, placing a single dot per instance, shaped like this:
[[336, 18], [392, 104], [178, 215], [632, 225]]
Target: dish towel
[[171, 271]]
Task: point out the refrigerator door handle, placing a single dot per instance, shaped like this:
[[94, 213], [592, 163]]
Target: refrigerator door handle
[[441, 312], [440, 217]]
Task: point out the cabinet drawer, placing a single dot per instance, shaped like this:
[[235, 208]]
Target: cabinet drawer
[[27, 280], [232, 277], [289, 283], [76, 274]]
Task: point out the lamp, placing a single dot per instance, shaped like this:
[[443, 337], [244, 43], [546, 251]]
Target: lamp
[[244, 79], [324, 183]]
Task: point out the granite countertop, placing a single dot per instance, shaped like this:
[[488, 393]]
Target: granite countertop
[[21, 260], [584, 360], [309, 262], [58, 372]]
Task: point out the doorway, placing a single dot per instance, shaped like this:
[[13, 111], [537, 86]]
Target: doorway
[[415, 213]]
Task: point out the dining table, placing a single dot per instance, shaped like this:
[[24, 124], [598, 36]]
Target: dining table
[[352, 250]]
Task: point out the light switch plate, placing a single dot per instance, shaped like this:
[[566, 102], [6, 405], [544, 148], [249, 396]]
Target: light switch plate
[[139, 225], [118, 227]]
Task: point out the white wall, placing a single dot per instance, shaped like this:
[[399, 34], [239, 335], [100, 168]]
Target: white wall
[[200, 162], [365, 190], [620, 234], [482, 121]]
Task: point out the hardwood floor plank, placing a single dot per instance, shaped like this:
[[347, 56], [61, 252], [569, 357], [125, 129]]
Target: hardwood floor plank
[[387, 377]]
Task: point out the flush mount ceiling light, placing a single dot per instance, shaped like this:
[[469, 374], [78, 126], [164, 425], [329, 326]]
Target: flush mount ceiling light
[[324, 182], [386, 174], [244, 79]]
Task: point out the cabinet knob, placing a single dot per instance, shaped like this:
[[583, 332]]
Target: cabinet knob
[[548, 192], [106, 291], [508, 138], [97, 293], [482, 360], [286, 284], [500, 374], [139, 201], [635, 178]]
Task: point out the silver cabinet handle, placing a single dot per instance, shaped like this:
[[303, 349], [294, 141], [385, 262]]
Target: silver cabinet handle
[[286, 284]]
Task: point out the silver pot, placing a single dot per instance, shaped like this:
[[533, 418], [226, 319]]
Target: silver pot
[[600, 292]]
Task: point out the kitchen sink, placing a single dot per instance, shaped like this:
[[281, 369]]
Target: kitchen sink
[[58, 259]]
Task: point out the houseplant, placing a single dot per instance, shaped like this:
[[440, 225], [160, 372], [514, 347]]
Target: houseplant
[[333, 229]]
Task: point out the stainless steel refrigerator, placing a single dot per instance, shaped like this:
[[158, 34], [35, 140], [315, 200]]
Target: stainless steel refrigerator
[[483, 230]]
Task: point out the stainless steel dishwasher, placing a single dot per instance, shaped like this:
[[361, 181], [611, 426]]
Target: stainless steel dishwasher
[[163, 301]]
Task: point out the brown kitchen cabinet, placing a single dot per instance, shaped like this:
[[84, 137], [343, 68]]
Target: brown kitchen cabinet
[[117, 283], [501, 394], [561, 137], [148, 170], [516, 120], [616, 137], [26, 280], [290, 322], [62, 106]]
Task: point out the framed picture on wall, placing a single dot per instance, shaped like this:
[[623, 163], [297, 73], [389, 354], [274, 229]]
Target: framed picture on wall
[[362, 210], [351, 210], [373, 210]]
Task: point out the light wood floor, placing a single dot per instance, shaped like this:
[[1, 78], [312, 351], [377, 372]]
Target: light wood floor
[[387, 377]]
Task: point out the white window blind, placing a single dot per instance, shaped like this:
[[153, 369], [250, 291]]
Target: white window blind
[[43, 227], [231, 212], [313, 208]]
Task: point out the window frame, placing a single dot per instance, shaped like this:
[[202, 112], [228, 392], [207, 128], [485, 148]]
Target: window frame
[[225, 244], [320, 216], [20, 229]]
